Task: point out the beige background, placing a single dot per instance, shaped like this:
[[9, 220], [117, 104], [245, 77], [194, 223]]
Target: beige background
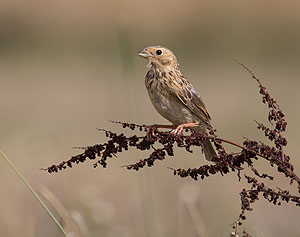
[[67, 67]]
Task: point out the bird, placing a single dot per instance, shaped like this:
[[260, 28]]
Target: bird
[[174, 97]]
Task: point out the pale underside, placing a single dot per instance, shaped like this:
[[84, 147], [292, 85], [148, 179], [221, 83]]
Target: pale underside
[[171, 108]]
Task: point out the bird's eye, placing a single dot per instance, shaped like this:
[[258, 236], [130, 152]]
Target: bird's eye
[[158, 52]]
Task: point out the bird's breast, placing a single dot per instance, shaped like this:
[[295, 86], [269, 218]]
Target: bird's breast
[[169, 106]]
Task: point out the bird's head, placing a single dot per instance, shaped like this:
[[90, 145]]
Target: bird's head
[[159, 57]]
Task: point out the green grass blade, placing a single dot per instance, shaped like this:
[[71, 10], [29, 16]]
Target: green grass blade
[[33, 192]]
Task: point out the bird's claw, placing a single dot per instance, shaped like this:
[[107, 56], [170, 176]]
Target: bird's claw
[[150, 130], [178, 131]]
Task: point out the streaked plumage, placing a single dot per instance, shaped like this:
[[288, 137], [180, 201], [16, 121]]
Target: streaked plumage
[[172, 95]]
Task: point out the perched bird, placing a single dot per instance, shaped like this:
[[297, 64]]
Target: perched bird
[[173, 96]]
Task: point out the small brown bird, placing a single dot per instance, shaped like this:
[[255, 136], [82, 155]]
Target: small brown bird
[[173, 96]]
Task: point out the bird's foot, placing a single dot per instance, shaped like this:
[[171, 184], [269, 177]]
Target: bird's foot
[[151, 129], [179, 129]]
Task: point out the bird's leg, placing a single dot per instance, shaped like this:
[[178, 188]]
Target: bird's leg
[[179, 129], [156, 126]]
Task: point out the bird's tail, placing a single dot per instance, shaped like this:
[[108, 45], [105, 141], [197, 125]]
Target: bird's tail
[[208, 149]]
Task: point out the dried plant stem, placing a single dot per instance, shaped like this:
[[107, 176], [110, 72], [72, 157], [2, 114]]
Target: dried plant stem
[[161, 145], [281, 148]]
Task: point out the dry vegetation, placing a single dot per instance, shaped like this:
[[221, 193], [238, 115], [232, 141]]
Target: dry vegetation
[[161, 144]]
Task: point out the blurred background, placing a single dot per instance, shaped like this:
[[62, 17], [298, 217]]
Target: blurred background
[[68, 67]]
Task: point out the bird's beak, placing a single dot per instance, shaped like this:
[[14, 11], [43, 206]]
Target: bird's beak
[[143, 53]]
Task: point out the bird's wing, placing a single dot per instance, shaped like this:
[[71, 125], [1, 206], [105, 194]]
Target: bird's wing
[[189, 97]]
